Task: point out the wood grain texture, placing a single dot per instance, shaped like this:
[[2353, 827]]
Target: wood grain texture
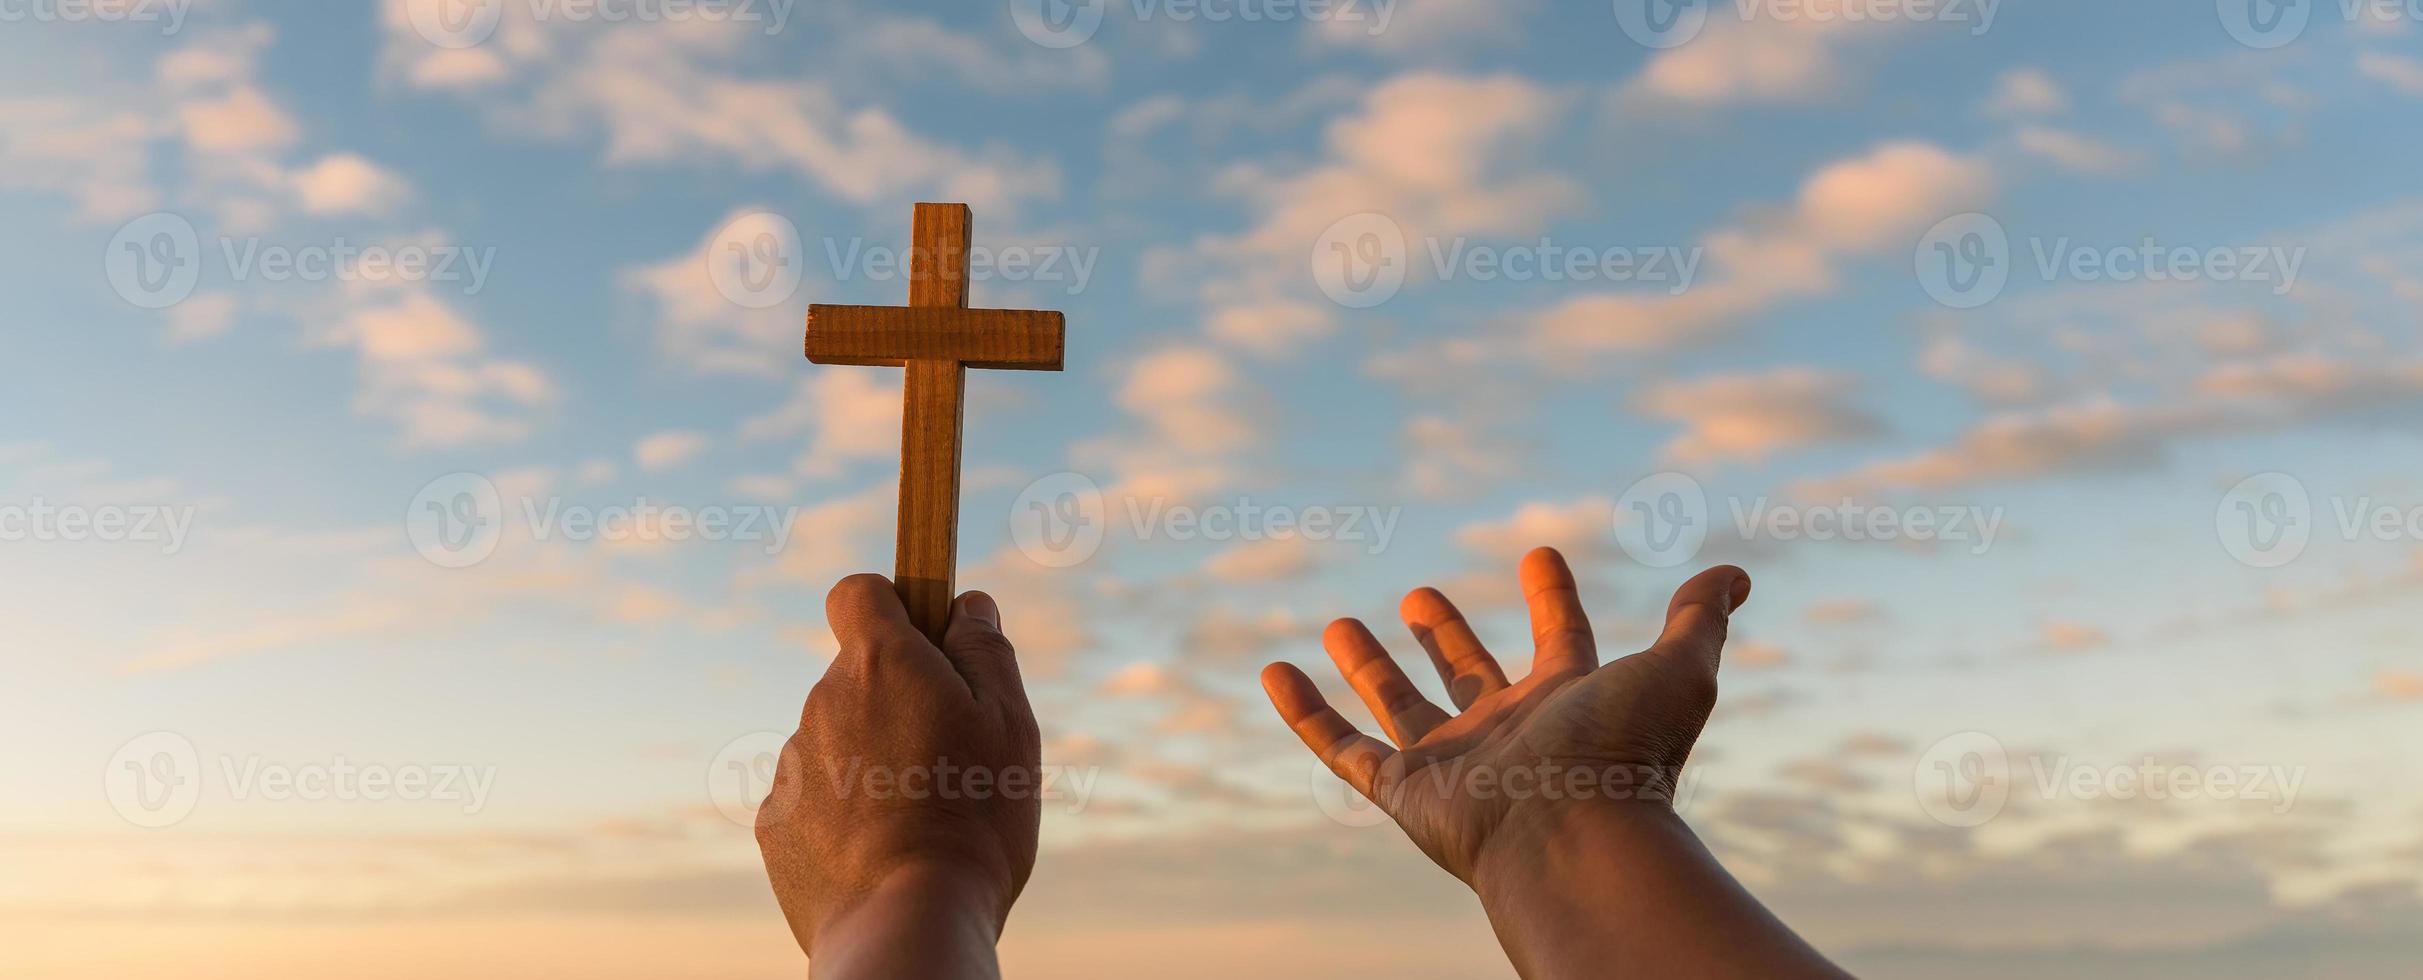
[[938, 256], [889, 336], [936, 338], [925, 567]]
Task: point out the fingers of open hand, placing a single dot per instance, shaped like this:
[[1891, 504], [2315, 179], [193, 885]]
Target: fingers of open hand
[[1560, 631], [1354, 756], [1697, 618], [1464, 665], [1402, 710]]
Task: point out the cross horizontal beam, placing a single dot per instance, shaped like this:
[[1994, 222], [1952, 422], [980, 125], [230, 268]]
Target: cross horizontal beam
[[1011, 340]]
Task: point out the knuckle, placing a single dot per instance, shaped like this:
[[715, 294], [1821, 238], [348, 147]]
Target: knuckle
[[988, 644], [860, 584], [854, 592], [868, 653]]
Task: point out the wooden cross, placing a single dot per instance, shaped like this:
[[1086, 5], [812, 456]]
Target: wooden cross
[[937, 338]]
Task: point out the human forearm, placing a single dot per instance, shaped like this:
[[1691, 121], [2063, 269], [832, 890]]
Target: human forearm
[[917, 923], [1626, 889]]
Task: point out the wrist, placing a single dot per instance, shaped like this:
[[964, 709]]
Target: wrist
[[1522, 857], [933, 906], [1571, 889]]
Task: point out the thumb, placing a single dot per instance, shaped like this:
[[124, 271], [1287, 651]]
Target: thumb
[[974, 644], [1697, 618]]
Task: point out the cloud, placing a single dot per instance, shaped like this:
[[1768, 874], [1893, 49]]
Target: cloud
[[346, 183], [204, 110], [520, 41], [1868, 202], [916, 49], [1835, 612], [2091, 435], [666, 450], [1423, 26], [1751, 416], [2028, 92], [2398, 685], [1437, 154], [1227, 637], [1755, 655], [846, 416], [1192, 425], [2228, 105], [97, 157], [1946, 357], [2400, 72], [427, 368], [455, 68], [2101, 434], [1854, 206], [1182, 393], [201, 317], [2070, 637], [666, 95], [701, 327], [2075, 153], [1040, 612], [1755, 60], [423, 362], [1272, 329], [1454, 457], [831, 539], [1139, 680], [240, 120], [1446, 151], [2241, 334], [1273, 559], [2307, 385], [1583, 529], [383, 597]]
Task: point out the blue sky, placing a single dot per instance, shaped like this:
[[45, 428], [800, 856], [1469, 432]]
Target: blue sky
[[1805, 167]]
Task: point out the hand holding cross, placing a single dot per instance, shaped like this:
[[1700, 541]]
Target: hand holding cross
[[937, 338]]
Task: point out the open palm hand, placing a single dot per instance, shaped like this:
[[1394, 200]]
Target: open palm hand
[[1571, 734]]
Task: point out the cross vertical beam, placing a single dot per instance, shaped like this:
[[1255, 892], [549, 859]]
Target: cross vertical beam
[[935, 403]]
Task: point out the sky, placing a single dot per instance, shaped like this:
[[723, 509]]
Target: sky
[[415, 509]]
